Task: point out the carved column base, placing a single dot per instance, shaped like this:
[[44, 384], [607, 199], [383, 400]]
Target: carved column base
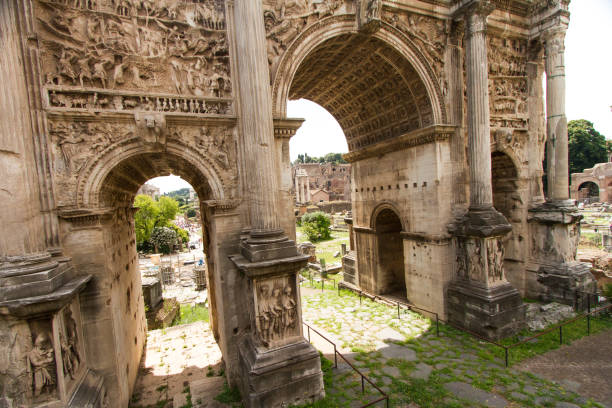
[[278, 366], [480, 298], [493, 312], [554, 230], [274, 378]]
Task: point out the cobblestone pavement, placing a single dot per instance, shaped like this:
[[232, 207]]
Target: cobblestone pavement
[[416, 367], [174, 358], [585, 366]]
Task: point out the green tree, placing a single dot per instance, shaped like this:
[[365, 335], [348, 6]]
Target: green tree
[[168, 208], [152, 214], [587, 146], [145, 218], [182, 234], [316, 226], [164, 239]]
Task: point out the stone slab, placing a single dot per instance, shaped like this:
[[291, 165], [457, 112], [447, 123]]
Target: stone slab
[[398, 352], [467, 392]]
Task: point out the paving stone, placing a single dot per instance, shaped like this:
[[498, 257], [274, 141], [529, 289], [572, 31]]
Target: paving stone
[[422, 372], [530, 389], [570, 385], [564, 404], [466, 391], [392, 371], [518, 395], [399, 352], [389, 334]]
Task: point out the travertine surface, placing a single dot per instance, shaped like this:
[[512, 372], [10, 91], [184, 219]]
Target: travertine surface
[[433, 97]]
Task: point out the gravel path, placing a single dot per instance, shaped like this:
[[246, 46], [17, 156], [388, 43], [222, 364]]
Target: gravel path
[[585, 367]]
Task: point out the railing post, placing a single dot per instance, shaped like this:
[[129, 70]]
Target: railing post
[[506, 352], [437, 326], [398, 312], [359, 298], [335, 356], [362, 385], [322, 283], [589, 324], [308, 327], [589, 303]]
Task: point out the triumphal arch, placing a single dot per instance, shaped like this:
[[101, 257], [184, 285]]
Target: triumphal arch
[[442, 105]]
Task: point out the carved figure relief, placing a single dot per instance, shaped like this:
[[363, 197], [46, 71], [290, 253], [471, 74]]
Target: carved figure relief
[[276, 310], [495, 259], [476, 261], [151, 128], [285, 19], [164, 46], [40, 362], [460, 258], [429, 34], [69, 344]]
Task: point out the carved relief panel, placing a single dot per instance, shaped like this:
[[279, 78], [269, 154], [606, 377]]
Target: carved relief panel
[[480, 259], [99, 54], [41, 359], [276, 309], [285, 19], [508, 92]]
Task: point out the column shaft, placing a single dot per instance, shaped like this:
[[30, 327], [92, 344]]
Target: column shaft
[[256, 115], [479, 145], [556, 122]]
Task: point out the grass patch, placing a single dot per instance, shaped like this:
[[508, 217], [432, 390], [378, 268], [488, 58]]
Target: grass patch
[[191, 314], [230, 396]]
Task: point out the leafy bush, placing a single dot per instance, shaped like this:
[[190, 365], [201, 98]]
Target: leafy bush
[[182, 234], [607, 290], [164, 239], [191, 212], [316, 226]]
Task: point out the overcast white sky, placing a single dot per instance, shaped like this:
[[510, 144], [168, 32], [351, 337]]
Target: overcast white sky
[[588, 62]]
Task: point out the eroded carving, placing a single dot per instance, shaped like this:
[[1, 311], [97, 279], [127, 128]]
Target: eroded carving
[[276, 310], [167, 47], [41, 361]]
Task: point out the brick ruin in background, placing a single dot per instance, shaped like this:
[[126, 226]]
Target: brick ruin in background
[[442, 107]]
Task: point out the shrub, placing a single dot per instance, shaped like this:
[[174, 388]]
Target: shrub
[[164, 239], [316, 226]]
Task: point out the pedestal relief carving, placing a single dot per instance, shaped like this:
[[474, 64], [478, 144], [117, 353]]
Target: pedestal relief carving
[[41, 362], [277, 316]]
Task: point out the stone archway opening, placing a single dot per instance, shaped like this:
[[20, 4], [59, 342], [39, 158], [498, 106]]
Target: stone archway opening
[[103, 241], [588, 192], [384, 99], [391, 275], [372, 90]]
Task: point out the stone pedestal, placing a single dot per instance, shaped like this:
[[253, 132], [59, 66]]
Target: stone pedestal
[[555, 273], [41, 336], [480, 299], [277, 364]]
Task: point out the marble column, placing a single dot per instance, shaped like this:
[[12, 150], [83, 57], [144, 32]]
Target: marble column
[[297, 189], [556, 121], [307, 189], [256, 116], [277, 365], [555, 273], [480, 298], [479, 131]]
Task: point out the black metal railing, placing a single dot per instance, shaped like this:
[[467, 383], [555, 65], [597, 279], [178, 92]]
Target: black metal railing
[[364, 378]]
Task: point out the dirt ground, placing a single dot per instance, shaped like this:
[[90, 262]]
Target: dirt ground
[[585, 367]]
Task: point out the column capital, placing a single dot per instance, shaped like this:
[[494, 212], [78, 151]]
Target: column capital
[[475, 13], [553, 40]]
